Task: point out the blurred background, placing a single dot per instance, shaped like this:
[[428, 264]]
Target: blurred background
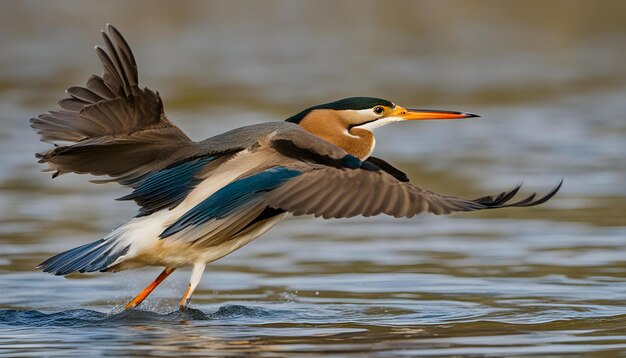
[[547, 77]]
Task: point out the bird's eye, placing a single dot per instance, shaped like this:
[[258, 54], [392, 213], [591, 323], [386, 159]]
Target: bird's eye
[[379, 110]]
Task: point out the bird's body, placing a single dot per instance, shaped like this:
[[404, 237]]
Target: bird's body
[[199, 201]]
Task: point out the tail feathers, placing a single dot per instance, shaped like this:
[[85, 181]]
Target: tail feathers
[[95, 256]]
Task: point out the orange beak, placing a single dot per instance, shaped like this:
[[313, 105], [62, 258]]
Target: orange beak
[[424, 114]]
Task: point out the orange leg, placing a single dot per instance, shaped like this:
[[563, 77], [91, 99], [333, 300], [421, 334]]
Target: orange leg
[[146, 291], [186, 299]]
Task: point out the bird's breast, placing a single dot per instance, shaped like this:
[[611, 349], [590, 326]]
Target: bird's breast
[[359, 142]]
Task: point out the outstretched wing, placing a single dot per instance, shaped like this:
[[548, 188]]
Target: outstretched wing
[[337, 193], [111, 126], [313, 176], [334, 184]]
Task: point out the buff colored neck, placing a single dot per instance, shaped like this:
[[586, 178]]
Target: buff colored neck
[[328, 125]]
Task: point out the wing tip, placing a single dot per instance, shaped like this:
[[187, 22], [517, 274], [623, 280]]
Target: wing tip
[[503, 200]]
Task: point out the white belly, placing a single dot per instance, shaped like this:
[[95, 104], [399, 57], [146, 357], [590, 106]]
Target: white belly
[[142, 233], [178, 253]]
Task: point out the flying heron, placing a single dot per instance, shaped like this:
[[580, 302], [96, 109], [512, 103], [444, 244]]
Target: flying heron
[[200, 201]]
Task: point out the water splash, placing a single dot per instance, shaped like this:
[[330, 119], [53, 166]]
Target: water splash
[[84, 317]]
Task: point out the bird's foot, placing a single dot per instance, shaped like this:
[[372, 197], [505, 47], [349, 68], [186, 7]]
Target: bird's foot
[[184, 305], [130, 305]]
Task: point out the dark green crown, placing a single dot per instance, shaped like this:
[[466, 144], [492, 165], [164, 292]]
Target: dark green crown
[[355, 103]]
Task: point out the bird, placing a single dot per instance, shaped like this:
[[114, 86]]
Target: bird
[[201, 200]]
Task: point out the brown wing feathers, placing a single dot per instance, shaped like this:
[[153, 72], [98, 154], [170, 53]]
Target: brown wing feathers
[[334, 184], [114, 127], [337, 193]]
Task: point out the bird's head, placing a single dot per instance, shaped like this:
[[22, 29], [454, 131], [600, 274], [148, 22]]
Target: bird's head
[[349, 122]]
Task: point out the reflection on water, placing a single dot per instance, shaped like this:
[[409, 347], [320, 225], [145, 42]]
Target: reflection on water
[[549, 84]]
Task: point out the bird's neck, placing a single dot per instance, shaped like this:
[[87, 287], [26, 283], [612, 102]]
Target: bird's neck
[[360, 143], [328, 126]]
